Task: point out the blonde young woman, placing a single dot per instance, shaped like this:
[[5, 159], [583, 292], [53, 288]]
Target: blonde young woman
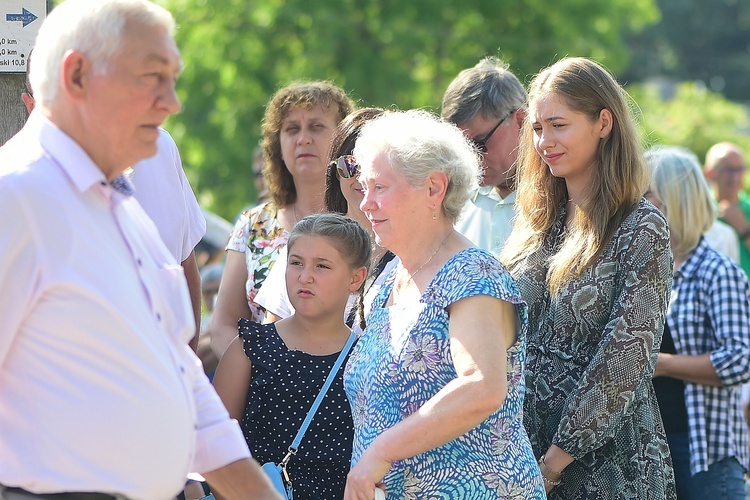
[[593, 263]]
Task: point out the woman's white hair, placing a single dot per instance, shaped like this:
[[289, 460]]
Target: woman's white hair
[[678, 181], [416, 144], [92, 27]]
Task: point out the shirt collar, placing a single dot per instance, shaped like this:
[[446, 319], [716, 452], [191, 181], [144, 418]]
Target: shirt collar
[[67, 153], [491, 193], [690, 266]]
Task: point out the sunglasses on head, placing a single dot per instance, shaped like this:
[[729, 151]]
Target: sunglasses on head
[[346, 166]]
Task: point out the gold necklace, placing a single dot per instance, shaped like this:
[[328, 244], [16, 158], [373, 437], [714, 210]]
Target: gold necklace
[[294, 209], [411, 277]]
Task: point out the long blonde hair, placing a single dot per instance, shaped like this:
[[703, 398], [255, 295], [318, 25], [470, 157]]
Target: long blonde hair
[[619, 176]]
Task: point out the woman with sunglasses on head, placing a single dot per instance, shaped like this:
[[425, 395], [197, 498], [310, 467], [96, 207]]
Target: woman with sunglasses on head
[[593, 263], [343, 194], [297, 129], [435, 381]]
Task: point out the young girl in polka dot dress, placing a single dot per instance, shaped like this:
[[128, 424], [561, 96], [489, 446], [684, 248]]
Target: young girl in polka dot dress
[[270, 375]]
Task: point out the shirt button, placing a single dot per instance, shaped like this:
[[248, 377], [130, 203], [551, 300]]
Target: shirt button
[[138, 260], [182, 369], [158, 317]]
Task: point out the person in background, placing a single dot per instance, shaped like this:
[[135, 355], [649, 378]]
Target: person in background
[[258, 180], [210, 280], [725, 169], [435, 381], [270, 375], [28, 97], [164, 192], [708, 320], [297, 128], [343, 195], [100, 395], [723, 238], [488, 103], [593, 263]]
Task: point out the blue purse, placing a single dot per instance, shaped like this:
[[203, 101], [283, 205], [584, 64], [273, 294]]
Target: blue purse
[[279, 478], [277, 473]]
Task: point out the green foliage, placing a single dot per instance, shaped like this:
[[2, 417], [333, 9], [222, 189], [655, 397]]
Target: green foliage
[[383, 52], [693, 117], [704, 40]]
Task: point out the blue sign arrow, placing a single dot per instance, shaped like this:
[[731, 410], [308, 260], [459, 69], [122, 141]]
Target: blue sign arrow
[[26, 17]]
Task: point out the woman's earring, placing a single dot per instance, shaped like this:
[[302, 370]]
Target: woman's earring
[[434, 216]]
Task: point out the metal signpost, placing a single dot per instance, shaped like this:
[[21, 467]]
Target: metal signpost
[[19, 23]]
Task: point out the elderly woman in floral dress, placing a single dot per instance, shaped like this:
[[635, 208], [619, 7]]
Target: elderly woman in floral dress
[[435, 379]]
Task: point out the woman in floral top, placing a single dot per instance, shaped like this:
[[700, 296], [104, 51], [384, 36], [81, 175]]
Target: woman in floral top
[[435, 381], [594, 265], [297, 130]]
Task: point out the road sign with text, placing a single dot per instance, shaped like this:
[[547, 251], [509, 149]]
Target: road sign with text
[[19, 23]]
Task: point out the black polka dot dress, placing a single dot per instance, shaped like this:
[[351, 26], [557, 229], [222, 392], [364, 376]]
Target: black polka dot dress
[[283, 387]]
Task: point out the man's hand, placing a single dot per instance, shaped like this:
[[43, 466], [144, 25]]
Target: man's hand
[[241, 480], [733, 216]]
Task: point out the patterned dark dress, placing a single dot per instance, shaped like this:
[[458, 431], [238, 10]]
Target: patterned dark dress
[[591, 353], [284, 385]]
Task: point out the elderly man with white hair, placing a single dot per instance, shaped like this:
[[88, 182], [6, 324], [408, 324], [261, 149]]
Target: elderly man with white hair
[[100, 395]]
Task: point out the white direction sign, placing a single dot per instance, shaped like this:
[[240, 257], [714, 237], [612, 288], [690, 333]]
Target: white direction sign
[[19, 23]]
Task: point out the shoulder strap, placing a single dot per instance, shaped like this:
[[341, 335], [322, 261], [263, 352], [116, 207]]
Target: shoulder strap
[[319, 398]]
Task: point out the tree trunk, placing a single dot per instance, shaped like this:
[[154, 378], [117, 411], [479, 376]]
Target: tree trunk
[[12, 110]]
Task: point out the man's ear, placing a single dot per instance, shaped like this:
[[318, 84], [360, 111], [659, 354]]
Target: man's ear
[[710, 174], [75, 74], [29, 101], [358, 277]]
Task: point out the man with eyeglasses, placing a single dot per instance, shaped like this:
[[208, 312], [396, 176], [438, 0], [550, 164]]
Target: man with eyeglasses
[[488, 103]]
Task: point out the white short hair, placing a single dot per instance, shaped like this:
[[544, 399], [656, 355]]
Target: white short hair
[[92, 27], [417, 143]]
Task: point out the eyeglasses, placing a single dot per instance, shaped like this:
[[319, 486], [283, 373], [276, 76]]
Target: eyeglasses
[[481, 144], [347, 166]]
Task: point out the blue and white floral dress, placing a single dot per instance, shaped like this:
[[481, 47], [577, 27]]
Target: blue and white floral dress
[[403, 359]]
